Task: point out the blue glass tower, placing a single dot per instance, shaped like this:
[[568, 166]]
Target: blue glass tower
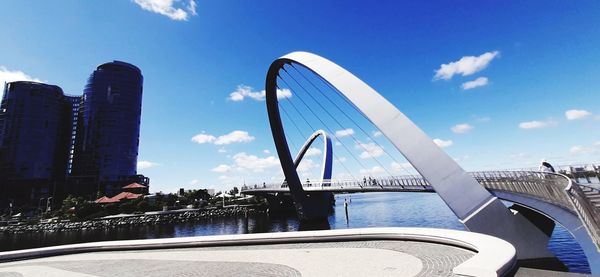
[[35, 124], [106, 147]]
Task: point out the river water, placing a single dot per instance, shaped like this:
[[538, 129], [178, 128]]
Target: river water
[[364, 210]]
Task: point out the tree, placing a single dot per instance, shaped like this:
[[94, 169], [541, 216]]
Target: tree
[[234, 191]]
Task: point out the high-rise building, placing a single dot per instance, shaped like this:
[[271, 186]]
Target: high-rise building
[[35, 127], [106, 146]]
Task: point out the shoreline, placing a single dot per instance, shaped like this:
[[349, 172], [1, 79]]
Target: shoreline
[[157, 217]]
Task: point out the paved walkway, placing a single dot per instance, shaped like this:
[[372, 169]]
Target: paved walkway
[[352, 258]]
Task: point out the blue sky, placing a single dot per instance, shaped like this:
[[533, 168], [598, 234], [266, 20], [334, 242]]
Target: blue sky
[[520, 81]]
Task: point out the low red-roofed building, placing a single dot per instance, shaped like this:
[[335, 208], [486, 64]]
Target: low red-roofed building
[[126, 195], [105, 200], [135, 188]]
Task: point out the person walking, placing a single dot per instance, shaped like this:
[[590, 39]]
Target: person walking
[[545, 166]]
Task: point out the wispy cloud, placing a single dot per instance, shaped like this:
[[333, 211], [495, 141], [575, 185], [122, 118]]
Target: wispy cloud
[[479, 82], [536, 124], [141, 165], [402, 167], [443, 143], [369, 150], [580, 150], [307, 165], [7, 76], [462, 128], [577, 114], [254, 163], [466, 66], [313, 151], [236, 136], [372, 171], [377, 134], [222, 168], [344, 133], [173, 9], [242, 92]]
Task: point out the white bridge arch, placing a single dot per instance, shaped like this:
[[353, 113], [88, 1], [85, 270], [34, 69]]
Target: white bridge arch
[[327, 162], [476, 208]]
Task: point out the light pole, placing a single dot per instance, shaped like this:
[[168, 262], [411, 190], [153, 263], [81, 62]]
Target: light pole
[[40, 205], [48, 207]]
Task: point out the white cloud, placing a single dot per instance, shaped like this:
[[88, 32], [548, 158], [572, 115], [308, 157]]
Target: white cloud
[[577, 114], [377, 133], [461, 128], [236, 136], [7, 76], [194, 182], [579, 150], [313, 151], [597, 143], [344, 133], [479, 82], [402, 167], [203, 138], [146, 164], [266, 151], [536, 124], [443, 143], [174, 9], [243, 91], [337, 143], [370, 150], [519, 156], [372, 171], [466, 66], [222, 168], [254, 163], [222, 150], [306, 165]]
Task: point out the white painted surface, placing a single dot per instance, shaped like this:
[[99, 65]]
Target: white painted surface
[[494, 256]]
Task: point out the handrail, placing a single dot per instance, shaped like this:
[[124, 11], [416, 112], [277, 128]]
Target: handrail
[[588, 213]]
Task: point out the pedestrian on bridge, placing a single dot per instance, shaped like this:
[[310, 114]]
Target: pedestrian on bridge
[[546, 167]]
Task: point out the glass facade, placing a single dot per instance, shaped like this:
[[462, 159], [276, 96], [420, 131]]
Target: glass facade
[[35, 123], [107, 139]]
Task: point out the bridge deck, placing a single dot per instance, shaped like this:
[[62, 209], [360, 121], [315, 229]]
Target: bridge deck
[[555, 189]]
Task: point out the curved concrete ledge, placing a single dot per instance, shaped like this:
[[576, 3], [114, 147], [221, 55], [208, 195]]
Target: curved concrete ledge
[[495, 257]]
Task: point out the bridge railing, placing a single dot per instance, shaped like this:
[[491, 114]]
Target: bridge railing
[[408, 182], [587, 211], [547, 187]]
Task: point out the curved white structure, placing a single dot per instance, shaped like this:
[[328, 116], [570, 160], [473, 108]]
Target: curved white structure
[[476, 208], [327, 162], [494, 257]]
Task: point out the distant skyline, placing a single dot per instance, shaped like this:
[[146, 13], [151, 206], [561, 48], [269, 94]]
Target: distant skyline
[[500, 84]]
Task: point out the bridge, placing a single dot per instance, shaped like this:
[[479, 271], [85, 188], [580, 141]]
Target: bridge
[[541, 199], [575, 207]]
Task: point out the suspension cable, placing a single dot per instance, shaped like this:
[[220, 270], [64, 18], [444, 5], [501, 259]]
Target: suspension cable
[[325, 125], [313, 130], [341, 126], [346, 115]]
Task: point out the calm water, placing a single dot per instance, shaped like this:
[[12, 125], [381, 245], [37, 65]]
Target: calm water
[[365, 210]]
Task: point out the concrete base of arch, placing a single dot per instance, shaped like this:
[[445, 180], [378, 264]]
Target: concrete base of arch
[[568, 220], [314, 207]]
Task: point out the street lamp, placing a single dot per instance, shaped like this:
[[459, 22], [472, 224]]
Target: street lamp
[[48, 207], [40, 205]]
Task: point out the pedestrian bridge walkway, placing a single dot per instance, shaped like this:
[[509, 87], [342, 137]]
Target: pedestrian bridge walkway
[[576, 207]]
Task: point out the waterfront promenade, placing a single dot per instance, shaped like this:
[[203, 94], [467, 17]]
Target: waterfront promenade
[[351, 252]]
